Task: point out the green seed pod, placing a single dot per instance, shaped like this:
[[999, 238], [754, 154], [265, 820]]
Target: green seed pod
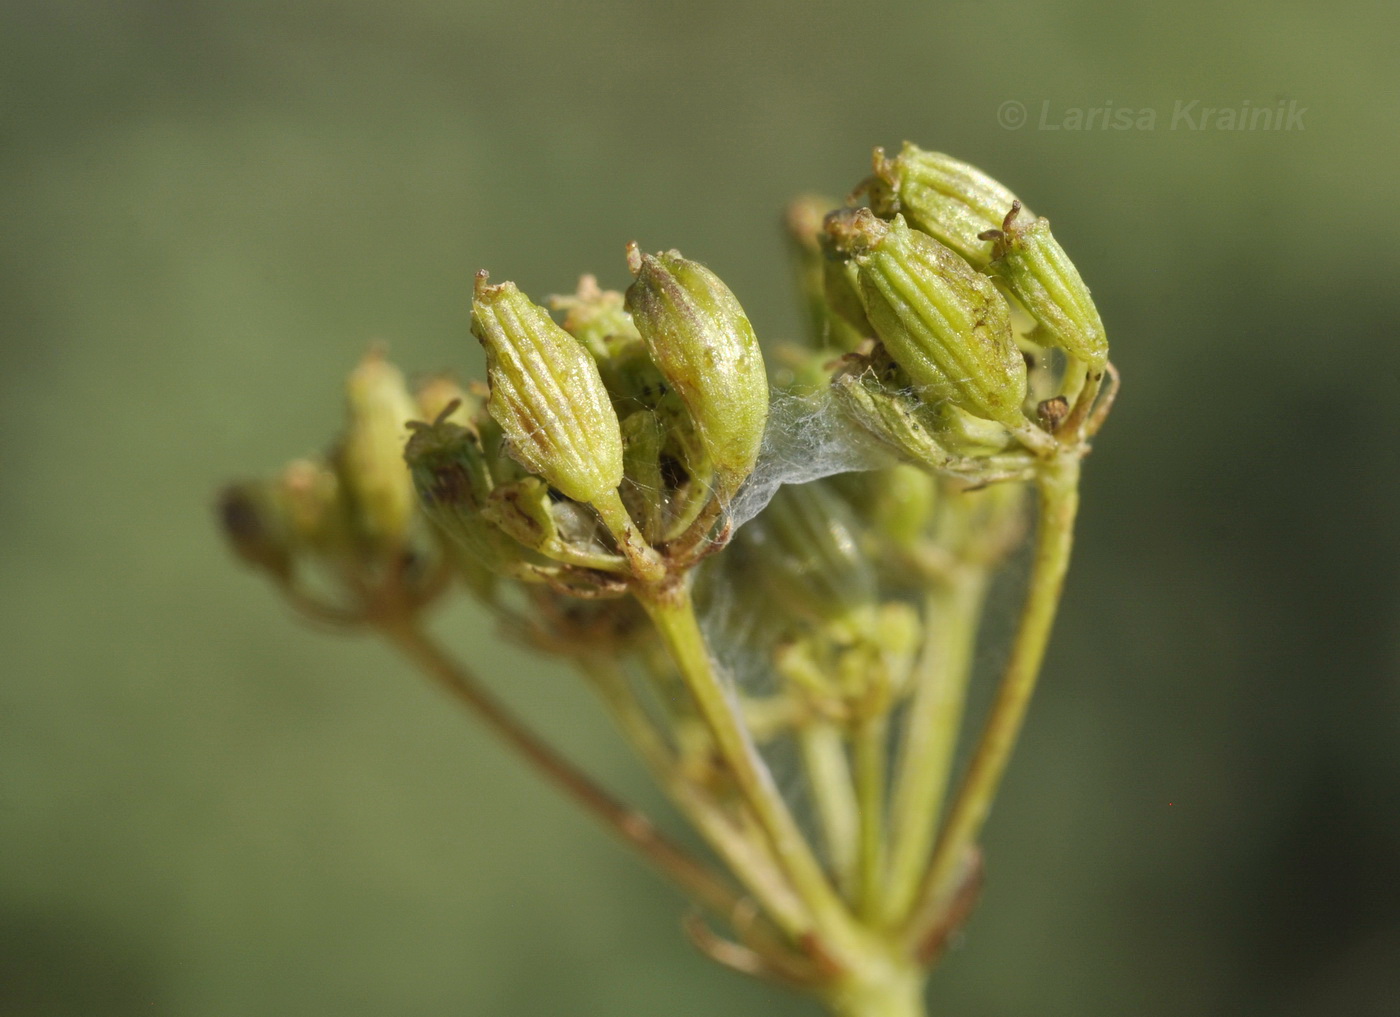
[[948, 199], [827, 327], [904, 502], [562, 531], [644, 489], [942, 322], [704, 345], [371, 456], [453, 482], [807, 551], [256, 528], [842, 289], [1040, 275], [890, 417], [547, 395]]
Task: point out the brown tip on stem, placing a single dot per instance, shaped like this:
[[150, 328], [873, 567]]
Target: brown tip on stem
[[958, 911], [238, 515], [1011, 215], [634, 257], [447, 411], [854, 231], [1052, 412], [483, 277]]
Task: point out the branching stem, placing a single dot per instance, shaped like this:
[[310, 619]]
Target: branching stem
[[931, 731], [693, 876], [673, 613], [1057, 485]]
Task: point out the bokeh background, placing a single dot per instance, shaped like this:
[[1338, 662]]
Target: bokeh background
[[211, 209]]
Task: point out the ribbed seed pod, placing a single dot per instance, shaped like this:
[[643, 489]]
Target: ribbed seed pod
[[705, 347], [371, 457], [948, 199], [453, 483], [547, 395], [1041, 276], [944, 323], [890, 417]]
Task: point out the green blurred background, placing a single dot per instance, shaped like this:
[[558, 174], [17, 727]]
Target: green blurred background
[[210, 210]]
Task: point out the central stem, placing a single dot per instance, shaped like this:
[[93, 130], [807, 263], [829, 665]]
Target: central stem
[[883, 992]]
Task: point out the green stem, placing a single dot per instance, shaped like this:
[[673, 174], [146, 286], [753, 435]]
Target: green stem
[[747, 860], [1058, 488], [645, 562], [880, 990], [673, 614], [931, 731], [829, 777], [868, 751]]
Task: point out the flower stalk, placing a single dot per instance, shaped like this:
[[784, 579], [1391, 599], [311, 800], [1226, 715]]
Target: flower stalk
[[692, 876]]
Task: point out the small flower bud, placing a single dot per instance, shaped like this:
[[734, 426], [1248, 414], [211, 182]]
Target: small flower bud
[[439, 392], [547, 395], [948, 199], [942, 322], [256, 528], [594, 316], [705, 347], [317, 510], [371, 457], [1040, 275]]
